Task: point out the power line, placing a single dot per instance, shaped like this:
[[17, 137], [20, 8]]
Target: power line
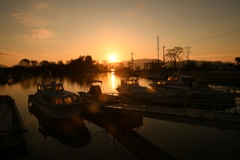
[[207, 38], [197, 40]]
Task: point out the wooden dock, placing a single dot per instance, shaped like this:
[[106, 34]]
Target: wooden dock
[[124, 139], [217, 119]]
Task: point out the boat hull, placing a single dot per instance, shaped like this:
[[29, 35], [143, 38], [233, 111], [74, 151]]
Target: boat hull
[[64, 111]]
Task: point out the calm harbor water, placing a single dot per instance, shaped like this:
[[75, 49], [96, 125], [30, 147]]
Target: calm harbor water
[[83, 139]]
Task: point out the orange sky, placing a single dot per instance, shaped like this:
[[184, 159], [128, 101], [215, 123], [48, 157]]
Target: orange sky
[[63, 30]]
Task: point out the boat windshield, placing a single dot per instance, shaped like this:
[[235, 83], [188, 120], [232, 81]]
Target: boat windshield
[[58, 100], [161, 82], [50, 87], [63, 100], [67, 100], [59, 87], [173, 79]]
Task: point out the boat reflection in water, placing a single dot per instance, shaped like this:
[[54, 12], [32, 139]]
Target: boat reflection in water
[[70, 132], [121, 134]]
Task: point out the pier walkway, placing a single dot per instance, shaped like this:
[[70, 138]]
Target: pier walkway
[[124, 140], [229, 120]]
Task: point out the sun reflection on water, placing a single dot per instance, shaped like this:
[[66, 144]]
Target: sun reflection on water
[[113, 80]]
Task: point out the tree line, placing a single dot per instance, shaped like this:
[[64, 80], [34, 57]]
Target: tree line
[[81, 64], [178, 56]]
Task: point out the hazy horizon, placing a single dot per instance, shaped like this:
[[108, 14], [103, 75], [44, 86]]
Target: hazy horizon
[[146, 60]]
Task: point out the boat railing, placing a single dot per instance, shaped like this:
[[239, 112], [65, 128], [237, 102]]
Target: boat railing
[[210, 101], [222, 88]]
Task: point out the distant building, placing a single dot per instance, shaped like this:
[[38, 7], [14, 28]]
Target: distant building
[[154, 66]]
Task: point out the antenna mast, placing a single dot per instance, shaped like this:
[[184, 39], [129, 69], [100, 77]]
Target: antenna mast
[[132, 60]]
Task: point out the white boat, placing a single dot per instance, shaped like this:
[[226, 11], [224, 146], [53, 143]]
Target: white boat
[[54, 101], [176, 91], [178, 83], [130, 87]]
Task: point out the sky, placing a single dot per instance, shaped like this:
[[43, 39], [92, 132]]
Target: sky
[[55, 30]]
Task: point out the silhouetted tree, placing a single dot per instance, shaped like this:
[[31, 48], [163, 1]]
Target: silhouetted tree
[[174, 54], [24, 62], [187, 51], [60, 62], [44, 63], [88, 63], [34, 63]]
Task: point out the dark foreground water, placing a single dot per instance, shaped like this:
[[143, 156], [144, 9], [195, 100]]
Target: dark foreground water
[[86, 137]]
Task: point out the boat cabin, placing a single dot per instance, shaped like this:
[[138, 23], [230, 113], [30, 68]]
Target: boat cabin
[[61, 100], [54, 93], [180, 80], [130, 81]]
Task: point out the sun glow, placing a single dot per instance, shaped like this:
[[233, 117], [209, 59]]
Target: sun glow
[[112, 57]]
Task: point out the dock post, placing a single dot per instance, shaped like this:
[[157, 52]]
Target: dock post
[[234, 92]]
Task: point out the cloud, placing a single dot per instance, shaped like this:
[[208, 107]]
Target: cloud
[[39, 34], [6, 54], [21, 17]]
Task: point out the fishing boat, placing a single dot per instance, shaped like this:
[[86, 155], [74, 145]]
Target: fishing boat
[[94, 91], [54, 101], [12, 130]]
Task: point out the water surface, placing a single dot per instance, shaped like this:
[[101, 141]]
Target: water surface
[[83, 139]]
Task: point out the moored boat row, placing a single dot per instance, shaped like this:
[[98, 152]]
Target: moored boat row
[[177, 91]]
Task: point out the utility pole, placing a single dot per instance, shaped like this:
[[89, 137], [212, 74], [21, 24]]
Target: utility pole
[[158, 47], [163, 53]]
